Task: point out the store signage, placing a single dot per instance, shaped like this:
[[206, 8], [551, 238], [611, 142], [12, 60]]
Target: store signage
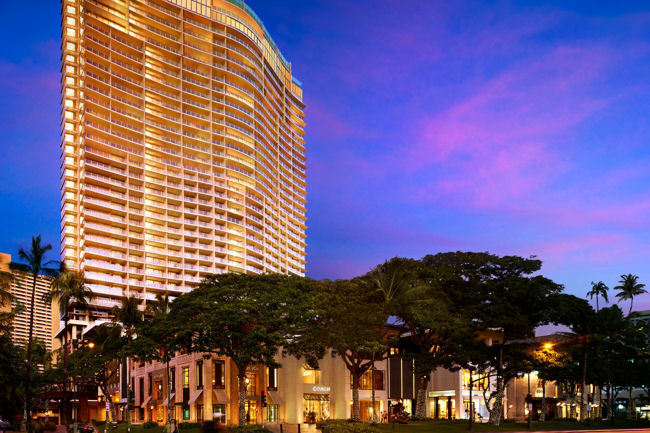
[[317, 388]]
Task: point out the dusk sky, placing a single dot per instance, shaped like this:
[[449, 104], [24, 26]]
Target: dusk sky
[[515, 127]]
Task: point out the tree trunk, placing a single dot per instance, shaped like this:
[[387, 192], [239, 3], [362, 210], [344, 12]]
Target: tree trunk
[[542, 416], [630, 312], [420, 405], [128, 393], [630, 415], [355, 398], [583, 395], [169, 399], [241, 395], [497, 408], [372, 383], [28, 408], [64, 400]]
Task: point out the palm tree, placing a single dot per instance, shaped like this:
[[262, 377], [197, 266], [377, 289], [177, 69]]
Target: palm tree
[[128, 316], [69, 290], [35, 264], [628, 288], [598, 289]]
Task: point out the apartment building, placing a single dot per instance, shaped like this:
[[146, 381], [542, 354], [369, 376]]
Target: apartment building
[[46, 317]]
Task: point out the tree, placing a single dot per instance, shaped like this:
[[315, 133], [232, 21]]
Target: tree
[[628, 288], [598, 289], [353, 327], [129, 317], [514, 300], [583, 338], [69, 290], [36, 265], [246, 318], [99, 365], [155, 341], [546, 361]]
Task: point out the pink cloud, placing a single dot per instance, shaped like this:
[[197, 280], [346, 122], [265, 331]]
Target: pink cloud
[[502, 143]]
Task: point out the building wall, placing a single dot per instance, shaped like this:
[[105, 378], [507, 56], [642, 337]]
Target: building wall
[[44, 315]]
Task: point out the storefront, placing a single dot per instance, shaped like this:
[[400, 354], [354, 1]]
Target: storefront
[[316, 404], [442, 404]]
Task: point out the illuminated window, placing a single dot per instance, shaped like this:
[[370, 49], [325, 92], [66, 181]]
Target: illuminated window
[[186, 377], [218, 374], [309, 375]]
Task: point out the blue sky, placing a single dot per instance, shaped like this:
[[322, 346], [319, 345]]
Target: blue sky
[[511, 127]]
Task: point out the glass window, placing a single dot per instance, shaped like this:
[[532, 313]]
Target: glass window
[[309, 375], [219, 413], [186, 377], [199, 375], [365, 381], [199, 413], [172, 376], [218, 374], [186, 412], [272, 413], [272, 378], [149, 384]]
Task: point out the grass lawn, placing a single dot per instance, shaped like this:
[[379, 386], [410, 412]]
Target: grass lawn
[[463, 427]]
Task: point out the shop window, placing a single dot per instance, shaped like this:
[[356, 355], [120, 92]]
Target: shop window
[[149, 384], [365, 381], [141, 389], [199, 413], [172, 375], [219, 413], [218, 374], [251, 384], [186, 412], [272, 413], [309, 375]]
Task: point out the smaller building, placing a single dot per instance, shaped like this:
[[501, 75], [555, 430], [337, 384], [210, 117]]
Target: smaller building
[[46, 317]]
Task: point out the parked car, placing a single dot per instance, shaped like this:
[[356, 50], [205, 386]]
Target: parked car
[[82, 428], [4, 425]]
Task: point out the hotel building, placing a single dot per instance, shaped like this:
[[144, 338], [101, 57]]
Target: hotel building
[[182, 151], [182, 147]]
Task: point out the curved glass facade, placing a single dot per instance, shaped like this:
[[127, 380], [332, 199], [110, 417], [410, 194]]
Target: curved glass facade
[[182, 146]]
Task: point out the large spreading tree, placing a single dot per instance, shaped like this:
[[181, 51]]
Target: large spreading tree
[[247, 318]]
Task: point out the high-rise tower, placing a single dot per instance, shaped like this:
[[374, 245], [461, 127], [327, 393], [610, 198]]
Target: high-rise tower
[[182, 146]]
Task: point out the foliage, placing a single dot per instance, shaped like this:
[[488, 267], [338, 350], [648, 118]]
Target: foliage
[[149, 424], [353, 321], [247, 318], [346, 426], [188, 425], [249, 428], [628, 288]]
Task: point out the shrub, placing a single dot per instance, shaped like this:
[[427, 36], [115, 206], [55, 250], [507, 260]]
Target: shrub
[[250, 428], [346, 426], [188, 425], [150, 424]]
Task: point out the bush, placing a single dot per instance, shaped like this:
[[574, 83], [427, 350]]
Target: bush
[[509, 420], [150, 424], [49, 426], [250, 428], [188, 425], [346, 426]]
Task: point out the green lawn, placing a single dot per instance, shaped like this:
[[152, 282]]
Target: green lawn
[[462, 426]]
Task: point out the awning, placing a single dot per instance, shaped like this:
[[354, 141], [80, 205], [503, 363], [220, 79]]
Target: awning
[[195, 396], [220, 396], [146, 400], [166, 401], [275, 397], [318, 397]]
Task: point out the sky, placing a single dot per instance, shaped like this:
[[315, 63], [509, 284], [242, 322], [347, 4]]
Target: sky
[[514, 127]]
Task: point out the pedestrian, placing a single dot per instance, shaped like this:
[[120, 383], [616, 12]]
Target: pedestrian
[[175, 427]]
